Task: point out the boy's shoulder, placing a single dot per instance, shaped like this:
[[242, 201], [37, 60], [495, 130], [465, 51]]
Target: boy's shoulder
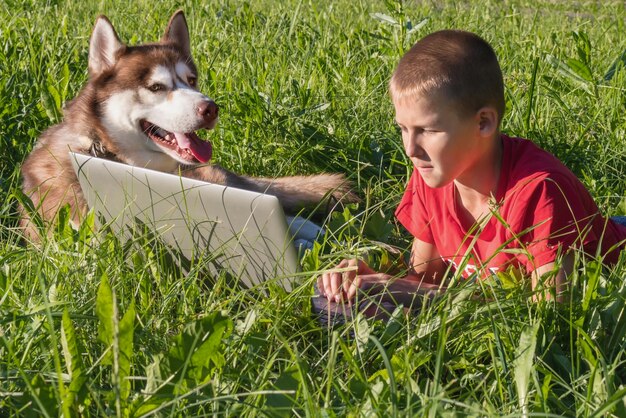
[[527, 169], [523, 159]]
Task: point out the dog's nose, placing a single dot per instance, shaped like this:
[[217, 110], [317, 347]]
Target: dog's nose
[[208, 110]]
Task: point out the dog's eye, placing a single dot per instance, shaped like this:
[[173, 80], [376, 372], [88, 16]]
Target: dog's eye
[[156, 87], [192, 81]]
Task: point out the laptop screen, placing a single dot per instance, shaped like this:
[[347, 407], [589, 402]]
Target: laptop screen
[[231, 231]]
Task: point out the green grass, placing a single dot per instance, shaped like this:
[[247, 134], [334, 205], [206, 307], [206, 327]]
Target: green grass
[[92, 326]]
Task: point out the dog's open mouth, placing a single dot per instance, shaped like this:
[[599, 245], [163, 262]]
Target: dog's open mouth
[[187, 145]]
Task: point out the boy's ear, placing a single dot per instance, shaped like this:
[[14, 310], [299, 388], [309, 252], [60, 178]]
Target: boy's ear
[[487, 121]]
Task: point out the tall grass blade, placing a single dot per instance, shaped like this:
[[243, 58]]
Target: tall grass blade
[[572, 71], [390, 374], [381, 17], [523, 364], [125, 344], [72, 352], [105, 310], [615, 399], [531, 95], [619, 63]]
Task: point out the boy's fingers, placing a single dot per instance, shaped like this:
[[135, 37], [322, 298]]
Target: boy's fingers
[[320, 285], [336, 283], [328, 288], [323, 284], [353, 263], [333, 284], [352, 287]]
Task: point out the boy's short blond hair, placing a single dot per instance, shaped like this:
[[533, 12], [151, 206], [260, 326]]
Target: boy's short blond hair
[[457, 65]]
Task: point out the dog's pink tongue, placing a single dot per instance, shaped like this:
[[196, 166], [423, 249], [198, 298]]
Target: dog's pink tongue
[[200, 149]]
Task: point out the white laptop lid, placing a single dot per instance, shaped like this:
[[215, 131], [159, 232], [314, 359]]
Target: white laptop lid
[[242, 232]]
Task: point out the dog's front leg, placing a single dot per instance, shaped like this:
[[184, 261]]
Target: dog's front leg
[[294, 192], [219, 175]]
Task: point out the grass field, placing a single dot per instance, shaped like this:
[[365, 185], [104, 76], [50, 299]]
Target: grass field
[[91, 326]]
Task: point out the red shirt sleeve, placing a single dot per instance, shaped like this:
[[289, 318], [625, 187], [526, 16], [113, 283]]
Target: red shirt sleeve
[[412, 213], [551, 221]]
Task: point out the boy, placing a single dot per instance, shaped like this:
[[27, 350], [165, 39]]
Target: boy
[[474, 191]]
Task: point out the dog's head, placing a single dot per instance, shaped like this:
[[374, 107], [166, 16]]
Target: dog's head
[[147, 99]]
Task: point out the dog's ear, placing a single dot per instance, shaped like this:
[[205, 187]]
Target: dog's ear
[[178, 32], [104, 47]]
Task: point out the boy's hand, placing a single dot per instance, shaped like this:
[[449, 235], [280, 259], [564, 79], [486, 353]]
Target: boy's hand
[[342, 282]]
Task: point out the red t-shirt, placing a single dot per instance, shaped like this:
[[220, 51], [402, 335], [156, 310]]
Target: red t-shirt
[[540, 209]]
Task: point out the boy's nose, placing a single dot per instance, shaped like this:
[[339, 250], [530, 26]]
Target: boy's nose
[[413, 149]]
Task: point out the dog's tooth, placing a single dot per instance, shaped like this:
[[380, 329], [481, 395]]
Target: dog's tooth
[[168, 136]]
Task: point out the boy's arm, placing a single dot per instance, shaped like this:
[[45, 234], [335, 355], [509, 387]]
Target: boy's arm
[[425, 273], [425, 263], [559, 282]]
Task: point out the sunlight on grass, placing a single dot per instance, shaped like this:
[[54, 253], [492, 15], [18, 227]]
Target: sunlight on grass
[[91, 325]]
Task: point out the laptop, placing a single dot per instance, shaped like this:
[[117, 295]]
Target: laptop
[[236, 232]]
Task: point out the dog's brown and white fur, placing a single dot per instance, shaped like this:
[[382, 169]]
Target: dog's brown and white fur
[[140, 106]]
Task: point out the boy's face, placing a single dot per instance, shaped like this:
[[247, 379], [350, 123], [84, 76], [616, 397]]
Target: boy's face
[[443, 145]]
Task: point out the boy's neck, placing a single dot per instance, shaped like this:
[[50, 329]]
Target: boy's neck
[[477, 188]]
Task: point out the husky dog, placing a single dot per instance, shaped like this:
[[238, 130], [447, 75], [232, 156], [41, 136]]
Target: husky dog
[[140, 106]]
